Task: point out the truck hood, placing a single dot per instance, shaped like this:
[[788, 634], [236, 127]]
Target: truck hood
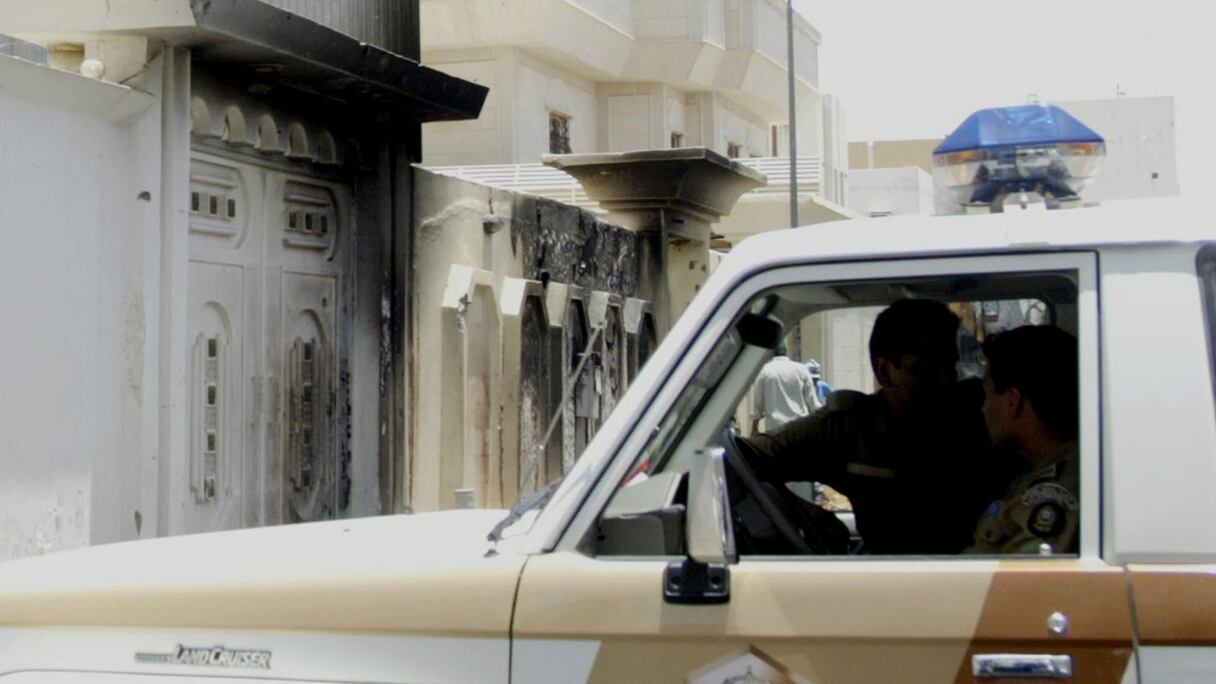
[[405, 573]]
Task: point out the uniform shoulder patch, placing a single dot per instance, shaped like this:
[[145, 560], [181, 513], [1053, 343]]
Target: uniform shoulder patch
[[1050, 492], [1046, 520]]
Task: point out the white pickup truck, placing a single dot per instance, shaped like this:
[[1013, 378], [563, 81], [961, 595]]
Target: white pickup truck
[[613, 577]]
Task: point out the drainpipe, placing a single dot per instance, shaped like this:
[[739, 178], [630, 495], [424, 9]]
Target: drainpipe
[[789, 29]]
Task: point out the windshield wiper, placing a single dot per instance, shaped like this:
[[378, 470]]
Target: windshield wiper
[[523, 506]]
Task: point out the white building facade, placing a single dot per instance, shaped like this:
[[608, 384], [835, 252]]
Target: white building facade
[[1141, 156], [891, 191], [585, 76], [623, 75]]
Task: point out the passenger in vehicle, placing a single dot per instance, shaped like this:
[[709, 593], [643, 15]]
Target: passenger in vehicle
[[1030, 408], [913, 457]]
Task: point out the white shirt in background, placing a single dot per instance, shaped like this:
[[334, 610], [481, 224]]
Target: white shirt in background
[[784, 391]]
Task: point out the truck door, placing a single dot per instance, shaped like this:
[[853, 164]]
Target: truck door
[[1162, 438], [607, 604]]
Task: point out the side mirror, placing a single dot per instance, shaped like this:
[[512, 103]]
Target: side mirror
[[710, 535], [703, 577]]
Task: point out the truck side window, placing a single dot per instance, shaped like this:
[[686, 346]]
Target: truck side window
[[863, 456]]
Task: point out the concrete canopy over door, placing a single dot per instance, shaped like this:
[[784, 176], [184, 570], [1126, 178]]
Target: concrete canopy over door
[[269, 263]]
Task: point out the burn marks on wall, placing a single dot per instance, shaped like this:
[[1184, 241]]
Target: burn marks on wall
[[570, 245]]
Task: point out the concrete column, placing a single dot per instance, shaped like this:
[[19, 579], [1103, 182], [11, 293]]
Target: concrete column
[[671, 197]]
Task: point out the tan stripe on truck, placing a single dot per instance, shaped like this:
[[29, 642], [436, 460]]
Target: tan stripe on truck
[[1024, 594], [1175, 606]]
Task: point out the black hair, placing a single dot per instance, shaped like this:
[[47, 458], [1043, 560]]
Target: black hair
[[1041, 362], [910, 326]]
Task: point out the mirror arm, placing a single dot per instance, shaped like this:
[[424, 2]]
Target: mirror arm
[[710, 534], [703, 577]]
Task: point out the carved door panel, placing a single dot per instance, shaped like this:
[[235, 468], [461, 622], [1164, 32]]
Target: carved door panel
[[311, 475], [210, 487], [266, 299], [214, 476], [306, 271]]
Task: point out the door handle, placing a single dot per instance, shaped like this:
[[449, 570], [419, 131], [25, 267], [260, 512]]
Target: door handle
[[1021, 665]]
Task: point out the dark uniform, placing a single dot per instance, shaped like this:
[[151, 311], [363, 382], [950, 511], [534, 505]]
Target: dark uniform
[[1041, 507], [917, 485]]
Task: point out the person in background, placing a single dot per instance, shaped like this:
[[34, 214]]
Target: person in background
[[822, 388], [784, 392]]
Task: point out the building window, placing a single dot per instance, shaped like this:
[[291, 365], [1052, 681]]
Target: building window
[[734, 150], [559, 133], [677, 140]]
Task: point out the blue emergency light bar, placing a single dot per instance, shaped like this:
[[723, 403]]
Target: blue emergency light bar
[[1027, 149]]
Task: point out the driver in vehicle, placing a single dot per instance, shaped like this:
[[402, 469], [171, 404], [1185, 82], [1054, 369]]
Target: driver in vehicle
[[1031, 409], [914, 456]]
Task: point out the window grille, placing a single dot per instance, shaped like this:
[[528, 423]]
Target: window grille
[[559, 133]]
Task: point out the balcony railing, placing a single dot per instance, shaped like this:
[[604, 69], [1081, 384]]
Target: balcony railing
[[777, 170], [546, 181], [533, 179]]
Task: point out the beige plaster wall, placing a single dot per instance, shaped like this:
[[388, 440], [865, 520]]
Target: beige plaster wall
[[486, 139], [563, 56], [514, 123], [483, 258], [891, 154], [541, 87], [738, 125]]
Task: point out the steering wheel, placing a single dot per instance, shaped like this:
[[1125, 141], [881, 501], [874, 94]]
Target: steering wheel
[[763, 497]]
